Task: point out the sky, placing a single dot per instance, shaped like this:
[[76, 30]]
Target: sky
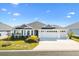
[[62, 14]]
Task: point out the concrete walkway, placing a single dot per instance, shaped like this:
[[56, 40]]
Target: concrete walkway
[[60, 45], [3, 37]]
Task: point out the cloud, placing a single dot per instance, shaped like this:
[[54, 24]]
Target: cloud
[[16, 14], [15, 3], [68, 16], [48, 11], [71, 13], [3, 9]]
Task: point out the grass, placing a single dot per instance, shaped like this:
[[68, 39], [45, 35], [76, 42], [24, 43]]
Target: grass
[[18, 45], [75, 38]]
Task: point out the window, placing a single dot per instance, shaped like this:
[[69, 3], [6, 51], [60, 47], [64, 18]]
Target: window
[[62, 31], [0, 34], [51, 31], [42, 31]]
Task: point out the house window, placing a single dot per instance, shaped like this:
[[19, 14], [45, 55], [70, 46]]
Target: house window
[[0, 34], [55, 31], [51, 31], [42, 31], [62, 31]]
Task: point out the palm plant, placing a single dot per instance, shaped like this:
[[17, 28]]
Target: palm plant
[[70, 34]]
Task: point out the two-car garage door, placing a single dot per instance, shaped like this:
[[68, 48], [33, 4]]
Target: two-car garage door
[[52, 35]]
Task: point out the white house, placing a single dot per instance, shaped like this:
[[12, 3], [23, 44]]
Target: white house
[[4, 29], [43, 31]]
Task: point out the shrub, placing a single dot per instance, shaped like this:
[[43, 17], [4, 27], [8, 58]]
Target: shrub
[[32, 38], [70, 34], [6, 43]]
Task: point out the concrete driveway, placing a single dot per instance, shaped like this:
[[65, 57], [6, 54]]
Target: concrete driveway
[[59, 45]]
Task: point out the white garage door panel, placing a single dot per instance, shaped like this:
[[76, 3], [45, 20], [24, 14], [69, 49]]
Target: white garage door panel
[[63, 35], [52, 36], [48, 35]]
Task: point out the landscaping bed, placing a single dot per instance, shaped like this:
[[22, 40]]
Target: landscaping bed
[[75, 38], [18, 44]]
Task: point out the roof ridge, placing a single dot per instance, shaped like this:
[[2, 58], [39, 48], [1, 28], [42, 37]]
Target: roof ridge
[[5, 24]]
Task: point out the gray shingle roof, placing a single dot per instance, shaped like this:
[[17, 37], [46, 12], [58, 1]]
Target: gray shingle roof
[[24, 26], [57, 27], [36, 25], [73, 26], [52, 27], [5, 26], [48, 27]]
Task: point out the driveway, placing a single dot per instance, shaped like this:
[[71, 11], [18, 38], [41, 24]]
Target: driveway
[[59, 45], [47, 48]]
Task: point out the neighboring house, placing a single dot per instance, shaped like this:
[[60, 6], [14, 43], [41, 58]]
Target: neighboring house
[[5, 30], [42, 30], [74, 28]]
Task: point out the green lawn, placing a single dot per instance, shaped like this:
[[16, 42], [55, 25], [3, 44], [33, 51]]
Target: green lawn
[[75, 38], [18, 45]]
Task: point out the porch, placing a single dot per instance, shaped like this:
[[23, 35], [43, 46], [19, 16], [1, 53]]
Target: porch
[[24, 32]]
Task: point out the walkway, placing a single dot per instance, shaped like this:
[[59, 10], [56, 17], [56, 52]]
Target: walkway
[[3, 37], [60, 45]]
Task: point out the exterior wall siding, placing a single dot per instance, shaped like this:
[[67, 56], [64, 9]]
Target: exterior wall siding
[[5, 33], [43, 33]]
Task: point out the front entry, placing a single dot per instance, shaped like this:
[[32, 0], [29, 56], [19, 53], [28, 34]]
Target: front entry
[[36, 32]]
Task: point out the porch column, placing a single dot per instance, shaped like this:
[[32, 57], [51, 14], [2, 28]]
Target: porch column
[[58, 32], [24, 32], [33, 32], [30, 32]]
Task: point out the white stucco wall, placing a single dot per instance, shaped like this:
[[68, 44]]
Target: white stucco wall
[[3, 33]]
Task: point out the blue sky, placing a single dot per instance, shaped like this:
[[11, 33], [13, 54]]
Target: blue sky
[[50, 13]]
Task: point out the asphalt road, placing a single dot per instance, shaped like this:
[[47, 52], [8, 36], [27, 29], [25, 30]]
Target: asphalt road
[[40, 53]]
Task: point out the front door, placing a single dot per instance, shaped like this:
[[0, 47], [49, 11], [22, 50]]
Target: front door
[[36, 32]]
